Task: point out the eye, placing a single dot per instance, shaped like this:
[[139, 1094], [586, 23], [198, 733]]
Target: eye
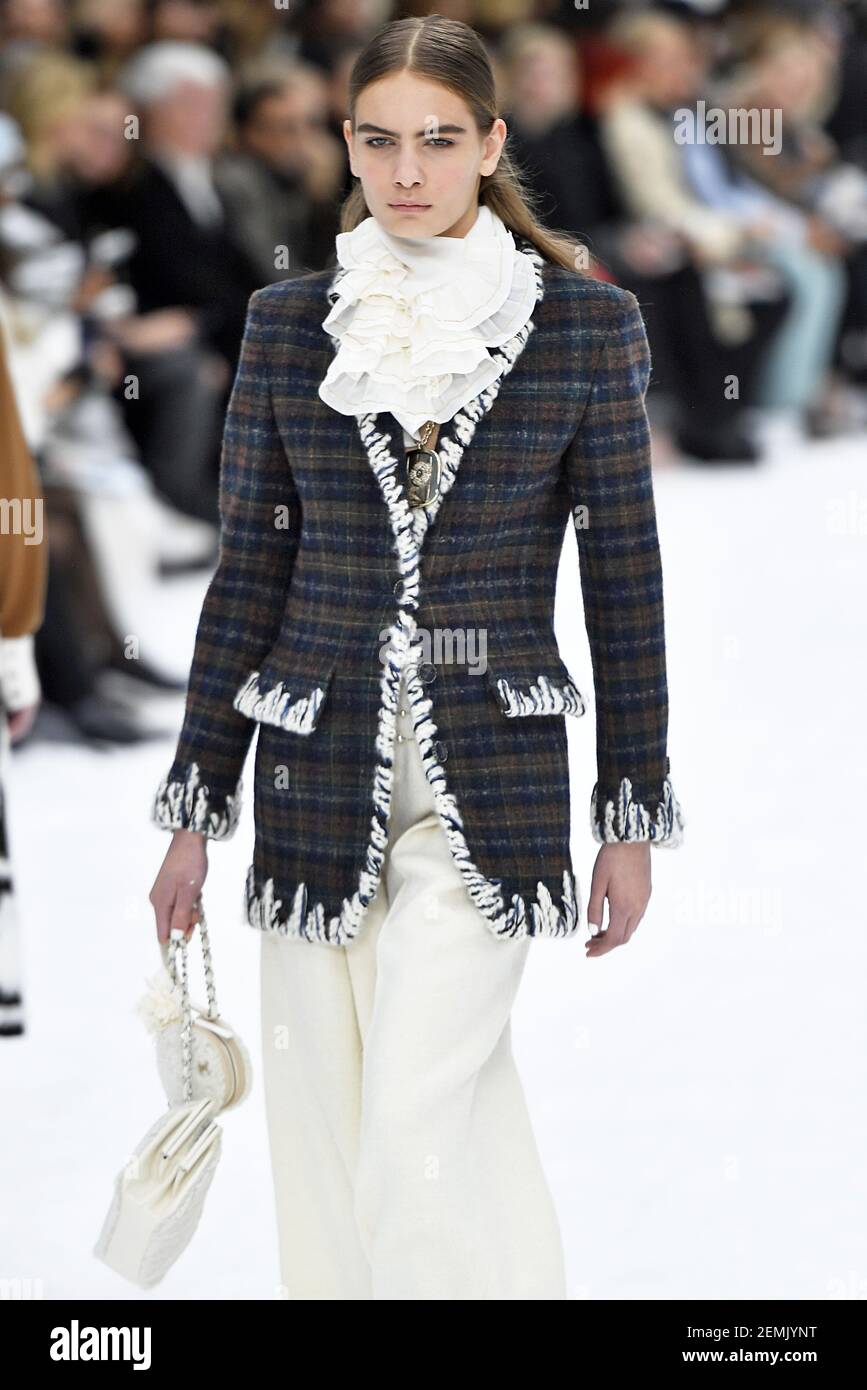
[[378, 142]]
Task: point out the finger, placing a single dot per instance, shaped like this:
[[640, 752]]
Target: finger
[[596, 905], [163, 913], [195, 886], [617, 924], [599, 945], [184, 913], [596, 945], [613, 934]]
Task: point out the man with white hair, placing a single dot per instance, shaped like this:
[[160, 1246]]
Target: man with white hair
[[181, 89], [185, 259]]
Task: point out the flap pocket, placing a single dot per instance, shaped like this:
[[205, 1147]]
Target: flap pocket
[[289, 691], [536, 682]]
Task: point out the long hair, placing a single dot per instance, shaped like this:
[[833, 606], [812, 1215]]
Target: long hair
[[450, 52]]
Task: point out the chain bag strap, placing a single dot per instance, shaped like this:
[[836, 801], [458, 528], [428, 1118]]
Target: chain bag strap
[[178, 946], [199, 1054]]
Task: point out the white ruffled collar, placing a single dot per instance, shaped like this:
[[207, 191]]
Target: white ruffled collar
[[413, 318]]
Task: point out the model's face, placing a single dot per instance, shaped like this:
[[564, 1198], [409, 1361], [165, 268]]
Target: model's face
[[419, 156]]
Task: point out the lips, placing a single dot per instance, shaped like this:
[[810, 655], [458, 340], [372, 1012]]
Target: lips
[[409, 207]]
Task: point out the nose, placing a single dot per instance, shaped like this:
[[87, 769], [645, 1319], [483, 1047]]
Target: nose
[[406, 171]]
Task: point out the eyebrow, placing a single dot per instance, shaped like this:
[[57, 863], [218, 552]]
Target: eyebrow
[[441, 130]]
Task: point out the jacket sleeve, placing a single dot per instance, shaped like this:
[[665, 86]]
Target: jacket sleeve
[[608, 468], [260, 516]]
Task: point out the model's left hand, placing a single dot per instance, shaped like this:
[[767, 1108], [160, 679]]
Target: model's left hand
[[622, 875]]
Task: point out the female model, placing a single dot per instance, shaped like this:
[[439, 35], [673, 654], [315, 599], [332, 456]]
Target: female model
[[406, 440]]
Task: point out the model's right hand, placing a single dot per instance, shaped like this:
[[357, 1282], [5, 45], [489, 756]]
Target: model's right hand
[[178, 884]]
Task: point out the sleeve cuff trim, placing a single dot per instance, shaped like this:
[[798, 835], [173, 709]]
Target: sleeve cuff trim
[[187, 805], [629, 821]]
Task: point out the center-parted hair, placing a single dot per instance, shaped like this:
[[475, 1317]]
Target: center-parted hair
[[452, 53]]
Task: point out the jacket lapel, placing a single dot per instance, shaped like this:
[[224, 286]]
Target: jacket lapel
[[382, 437]]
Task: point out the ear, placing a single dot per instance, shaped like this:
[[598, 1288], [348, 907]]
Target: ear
[[347, 135], [493, 146]]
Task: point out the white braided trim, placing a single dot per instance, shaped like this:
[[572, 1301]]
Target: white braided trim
[[629, 820], [540, 916], [186, 805], [276, 706], [543, 698]]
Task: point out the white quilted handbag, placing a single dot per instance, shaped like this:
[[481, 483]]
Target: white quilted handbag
[[160, 1193]]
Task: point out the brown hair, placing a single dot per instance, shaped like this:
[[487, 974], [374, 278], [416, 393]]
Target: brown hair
[[449, 51]]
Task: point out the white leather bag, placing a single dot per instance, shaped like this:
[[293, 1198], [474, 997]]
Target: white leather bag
[[160, 1193], [220, 1063]]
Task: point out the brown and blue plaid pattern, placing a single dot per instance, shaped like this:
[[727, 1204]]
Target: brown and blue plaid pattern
[[329, 585]]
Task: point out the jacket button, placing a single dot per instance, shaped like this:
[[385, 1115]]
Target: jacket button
[[398, 588], [441, 751], [427, 672]]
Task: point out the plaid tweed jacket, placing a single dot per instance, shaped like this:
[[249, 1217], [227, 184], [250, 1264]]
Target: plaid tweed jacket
[[330, 585]]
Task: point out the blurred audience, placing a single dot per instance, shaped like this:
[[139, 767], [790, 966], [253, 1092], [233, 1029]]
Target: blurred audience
[[791, 67], [733, 228], [562, 150]]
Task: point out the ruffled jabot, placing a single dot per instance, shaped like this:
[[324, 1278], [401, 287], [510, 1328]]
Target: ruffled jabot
[[413, 318]]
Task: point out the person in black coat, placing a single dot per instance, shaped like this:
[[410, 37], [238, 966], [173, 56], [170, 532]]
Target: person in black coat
[[185, 256]]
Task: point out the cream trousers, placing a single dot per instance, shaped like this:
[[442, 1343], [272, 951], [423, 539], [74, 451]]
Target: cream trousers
[[403, 1155]]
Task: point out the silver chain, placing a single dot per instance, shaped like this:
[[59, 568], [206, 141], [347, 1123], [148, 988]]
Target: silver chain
[[176, 945]]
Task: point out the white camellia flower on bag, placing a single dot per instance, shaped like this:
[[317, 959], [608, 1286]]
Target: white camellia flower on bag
[[161, 1004]]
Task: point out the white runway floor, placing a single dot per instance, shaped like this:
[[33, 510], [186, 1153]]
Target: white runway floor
[[699, 1095]]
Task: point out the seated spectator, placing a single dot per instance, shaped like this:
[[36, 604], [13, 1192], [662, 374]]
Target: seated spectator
[[687, 188], [280, 184], [184, 258], [106, 32], [845, 118], [75, 149], [559, 147], [792, 68], [101, 521]]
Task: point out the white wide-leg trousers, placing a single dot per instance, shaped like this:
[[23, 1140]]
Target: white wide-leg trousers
[[403, 1155]]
